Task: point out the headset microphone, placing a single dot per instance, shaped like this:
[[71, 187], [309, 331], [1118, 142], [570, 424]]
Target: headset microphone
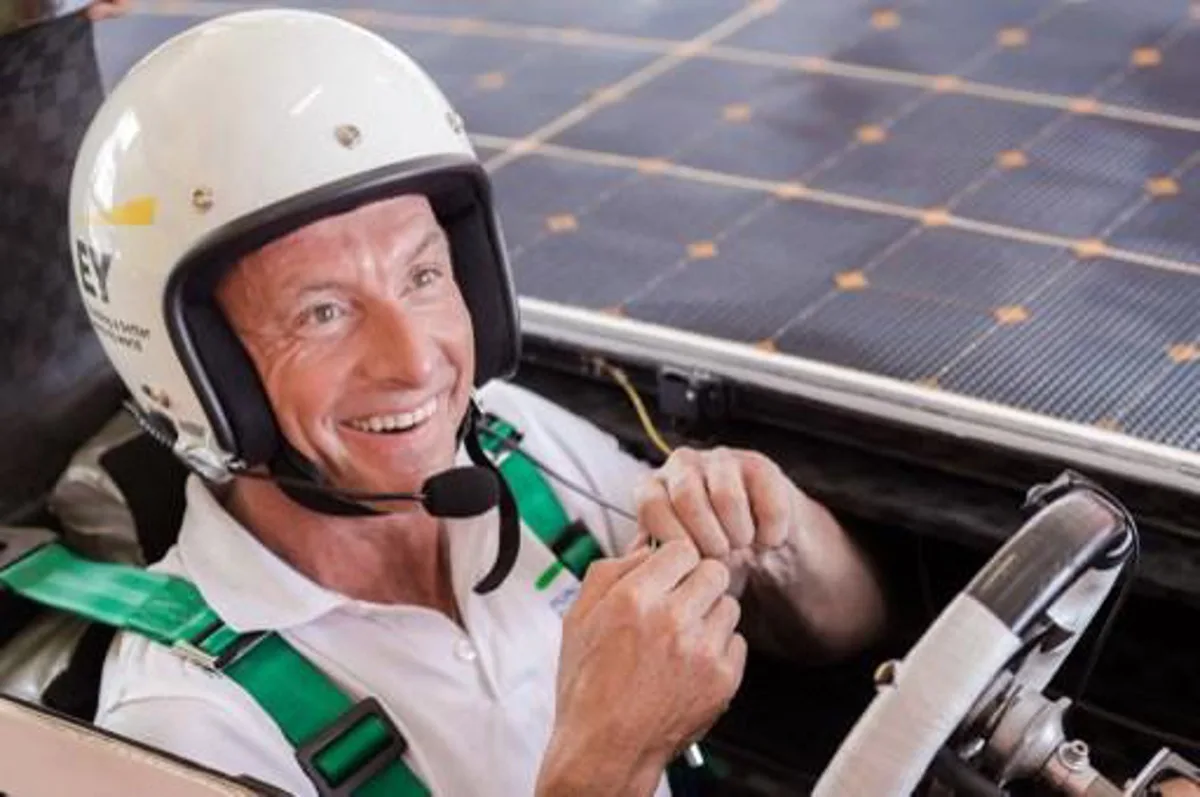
[[456, 493]]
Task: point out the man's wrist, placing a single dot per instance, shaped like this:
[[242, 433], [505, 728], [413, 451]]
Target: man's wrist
[[573, 767]]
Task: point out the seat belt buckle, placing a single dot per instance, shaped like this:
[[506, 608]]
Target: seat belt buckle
[[373, 760], [192, 650], [17, 542]]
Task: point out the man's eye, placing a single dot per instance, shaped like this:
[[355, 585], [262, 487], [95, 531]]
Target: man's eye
[[325, 313], [427, 276]]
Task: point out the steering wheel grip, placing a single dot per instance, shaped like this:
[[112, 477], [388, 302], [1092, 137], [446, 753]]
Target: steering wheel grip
[[1078, 528]]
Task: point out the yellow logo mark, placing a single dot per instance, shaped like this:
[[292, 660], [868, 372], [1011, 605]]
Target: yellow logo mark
[[137, 212]]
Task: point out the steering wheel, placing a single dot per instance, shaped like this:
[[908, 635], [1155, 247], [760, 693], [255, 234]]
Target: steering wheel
[[1014, 623]]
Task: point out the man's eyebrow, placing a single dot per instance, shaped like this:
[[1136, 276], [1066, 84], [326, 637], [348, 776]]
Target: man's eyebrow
[[429, 240], [315, 287]]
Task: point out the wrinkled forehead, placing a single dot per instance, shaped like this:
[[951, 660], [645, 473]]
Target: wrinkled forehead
[[389, 228], [383, 224]]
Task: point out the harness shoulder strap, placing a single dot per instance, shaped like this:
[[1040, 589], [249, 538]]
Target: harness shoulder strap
[[347, 749], [572, 544]]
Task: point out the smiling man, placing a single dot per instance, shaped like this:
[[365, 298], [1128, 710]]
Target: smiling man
[[317, 317]]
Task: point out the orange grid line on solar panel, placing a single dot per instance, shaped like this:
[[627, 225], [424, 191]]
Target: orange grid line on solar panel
[[839, 199], [472, 27]]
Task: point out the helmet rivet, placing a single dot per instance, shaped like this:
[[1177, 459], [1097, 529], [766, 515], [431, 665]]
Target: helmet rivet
[[885, 674], [202, 199], [348, 136], [157, 395]]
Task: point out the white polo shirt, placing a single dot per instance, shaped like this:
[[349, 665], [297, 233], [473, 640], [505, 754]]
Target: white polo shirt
[[475, 703]]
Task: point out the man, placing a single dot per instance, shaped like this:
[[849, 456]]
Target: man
[[302, 282], [19, 14]]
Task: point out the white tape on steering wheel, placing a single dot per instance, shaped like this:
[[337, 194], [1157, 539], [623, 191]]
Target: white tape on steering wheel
[[893, 743]]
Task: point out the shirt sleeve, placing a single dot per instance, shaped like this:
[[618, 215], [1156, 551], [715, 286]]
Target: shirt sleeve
[[579, 459], [152, 696], [206, 734]]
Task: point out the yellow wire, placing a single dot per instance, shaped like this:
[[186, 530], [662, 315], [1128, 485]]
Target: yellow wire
[[651, 430]]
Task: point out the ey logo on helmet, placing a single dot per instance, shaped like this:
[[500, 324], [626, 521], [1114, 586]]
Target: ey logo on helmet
[[93, 264], [94, 267]]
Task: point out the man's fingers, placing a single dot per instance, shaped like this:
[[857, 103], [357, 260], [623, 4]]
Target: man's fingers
[[106, 9], [728, 497], [684, 479], [695, 596], [771, 497], [664, 567], [723, 619], [655, 514], [640, 540], [1179, 787], [602, 575], [734, 662]]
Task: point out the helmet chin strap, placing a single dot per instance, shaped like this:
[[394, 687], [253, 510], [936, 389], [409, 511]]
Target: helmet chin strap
[[510, 521], [292, 465]]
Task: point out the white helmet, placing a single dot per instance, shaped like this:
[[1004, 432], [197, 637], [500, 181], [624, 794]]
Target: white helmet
[[232, 133]]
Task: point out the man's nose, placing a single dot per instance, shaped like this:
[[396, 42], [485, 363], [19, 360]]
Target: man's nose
[[398, 347]]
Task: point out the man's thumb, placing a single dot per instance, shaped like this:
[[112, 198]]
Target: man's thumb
[[603, 575]]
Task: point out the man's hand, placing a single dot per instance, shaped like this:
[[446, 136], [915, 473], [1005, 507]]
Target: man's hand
[[650, 659], [725, 501], [107, 9], [1179, 787], [809, 593]]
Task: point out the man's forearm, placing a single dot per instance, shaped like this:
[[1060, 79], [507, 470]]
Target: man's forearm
[[817, 597], [574, 768]]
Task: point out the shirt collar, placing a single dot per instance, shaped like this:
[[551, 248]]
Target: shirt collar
[[244, 582], [252, 589]]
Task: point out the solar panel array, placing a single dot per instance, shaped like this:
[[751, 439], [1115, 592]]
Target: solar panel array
[[991, 199]]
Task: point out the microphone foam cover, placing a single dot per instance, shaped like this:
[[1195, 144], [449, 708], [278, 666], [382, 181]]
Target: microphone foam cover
[[461, 492]]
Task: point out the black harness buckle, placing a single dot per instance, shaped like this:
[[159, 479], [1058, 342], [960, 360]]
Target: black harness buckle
[[395, 746]]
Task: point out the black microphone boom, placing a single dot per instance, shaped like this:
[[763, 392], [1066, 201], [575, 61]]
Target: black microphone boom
[[456, 493]]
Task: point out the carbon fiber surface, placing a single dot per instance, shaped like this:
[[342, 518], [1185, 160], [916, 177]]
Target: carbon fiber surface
[[55, 386], [993, 200]]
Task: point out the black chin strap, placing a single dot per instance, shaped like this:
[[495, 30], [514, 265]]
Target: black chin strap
[[510, 521], [291, 464]]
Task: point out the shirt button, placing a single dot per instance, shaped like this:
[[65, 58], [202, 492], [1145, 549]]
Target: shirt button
[[465, 650]]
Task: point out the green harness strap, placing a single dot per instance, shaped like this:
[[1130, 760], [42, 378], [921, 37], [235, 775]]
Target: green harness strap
[[573, 545], [346, 748]]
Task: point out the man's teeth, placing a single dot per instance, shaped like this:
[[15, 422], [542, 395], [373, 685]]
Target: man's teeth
[[398, 422]]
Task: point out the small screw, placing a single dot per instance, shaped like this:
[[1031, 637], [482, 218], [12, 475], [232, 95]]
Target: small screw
[[455, 121], [348, 136], [1074, 755], [202, 199], [885, 674], [157, 395]]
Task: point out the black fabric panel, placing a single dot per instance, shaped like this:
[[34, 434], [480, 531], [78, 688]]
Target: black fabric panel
[[151, 479], [76, 690], [56, 387]]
